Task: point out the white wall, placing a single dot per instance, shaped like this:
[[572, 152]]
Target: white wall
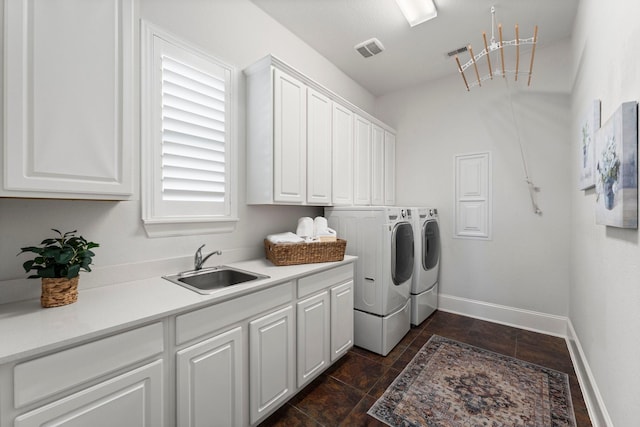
[[237, 32], [525, 265], [605, 290]]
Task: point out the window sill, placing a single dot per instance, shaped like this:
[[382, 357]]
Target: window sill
[[188, 226]]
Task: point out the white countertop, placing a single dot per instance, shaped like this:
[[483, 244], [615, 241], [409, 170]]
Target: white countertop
[[27, 329]]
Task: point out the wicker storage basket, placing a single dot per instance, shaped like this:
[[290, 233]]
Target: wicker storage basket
[[304, 253], [59, 291]]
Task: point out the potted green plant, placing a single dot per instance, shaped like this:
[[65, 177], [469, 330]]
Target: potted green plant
[[58, 263]]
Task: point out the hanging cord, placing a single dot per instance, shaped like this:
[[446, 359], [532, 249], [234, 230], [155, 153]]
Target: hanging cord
[[532, 188]]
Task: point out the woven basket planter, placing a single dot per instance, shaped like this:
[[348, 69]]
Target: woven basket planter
[[59, 291]]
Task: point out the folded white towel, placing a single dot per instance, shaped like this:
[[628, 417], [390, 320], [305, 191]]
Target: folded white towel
[[286, 237], [321, 228], [319, 224], [305, 227]]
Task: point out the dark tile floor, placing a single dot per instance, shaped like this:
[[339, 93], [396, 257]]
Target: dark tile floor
[[344, 393]]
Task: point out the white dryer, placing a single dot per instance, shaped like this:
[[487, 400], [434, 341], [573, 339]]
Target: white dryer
[[424, 283], [382, 239]]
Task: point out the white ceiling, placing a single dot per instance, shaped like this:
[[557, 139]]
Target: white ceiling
[[413, 55]]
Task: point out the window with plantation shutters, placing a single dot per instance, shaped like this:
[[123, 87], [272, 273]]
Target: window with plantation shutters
[[188, 146], [193, 133]]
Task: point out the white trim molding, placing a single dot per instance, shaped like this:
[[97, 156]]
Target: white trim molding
[[592, 397], [524, 319]]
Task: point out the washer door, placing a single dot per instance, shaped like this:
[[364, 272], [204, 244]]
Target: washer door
[[402, 253], [430, 245]]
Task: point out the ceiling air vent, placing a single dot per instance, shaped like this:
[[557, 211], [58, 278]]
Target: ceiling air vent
[[369, 47], [457, 51]]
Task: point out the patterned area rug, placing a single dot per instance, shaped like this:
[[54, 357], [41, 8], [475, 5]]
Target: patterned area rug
[[452, 384]]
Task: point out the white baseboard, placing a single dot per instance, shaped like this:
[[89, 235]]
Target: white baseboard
[[524, 319], [592, 397]]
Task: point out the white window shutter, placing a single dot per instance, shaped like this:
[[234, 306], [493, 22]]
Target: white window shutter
[[193, 134], [188, 138]]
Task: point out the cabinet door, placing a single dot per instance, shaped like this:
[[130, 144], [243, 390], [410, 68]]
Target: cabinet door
[[341, 319], [318, 148], [69, 99], [271, 362], [131, 399], [313, 337], [342, 143], [209, 382], [389, 169], [362, 170], [377, 165], [289, 138]]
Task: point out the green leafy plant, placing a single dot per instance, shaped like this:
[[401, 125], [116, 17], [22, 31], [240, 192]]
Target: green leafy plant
[[62, 256]]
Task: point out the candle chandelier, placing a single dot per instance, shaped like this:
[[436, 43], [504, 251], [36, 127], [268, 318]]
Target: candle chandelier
[[497, 46]]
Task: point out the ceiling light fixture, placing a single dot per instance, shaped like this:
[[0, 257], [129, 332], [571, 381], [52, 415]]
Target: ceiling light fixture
[[417, 11], [495, 46]]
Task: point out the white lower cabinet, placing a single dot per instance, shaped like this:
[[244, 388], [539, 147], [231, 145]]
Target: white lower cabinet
[[114, 381], [131, 399], [325, 320], [236, 362], [341, 319], [313, 337], [271, 362], [209, 381]]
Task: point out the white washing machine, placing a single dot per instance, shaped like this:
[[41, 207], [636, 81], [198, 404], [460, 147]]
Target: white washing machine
[[424, 282], [382, 239]]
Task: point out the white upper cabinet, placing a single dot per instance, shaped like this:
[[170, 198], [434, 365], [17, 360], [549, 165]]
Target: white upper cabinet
[[342, 132], [289, 138], [306, 145], [389, 169], [362, 161], [68, 99], [377, 165], [276, 136], [318, 148]]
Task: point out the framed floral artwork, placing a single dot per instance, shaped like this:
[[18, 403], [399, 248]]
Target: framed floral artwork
[[616, 168], [589, 124]]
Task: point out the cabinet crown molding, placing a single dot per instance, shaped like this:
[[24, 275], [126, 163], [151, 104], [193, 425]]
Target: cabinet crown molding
[[273, 61]]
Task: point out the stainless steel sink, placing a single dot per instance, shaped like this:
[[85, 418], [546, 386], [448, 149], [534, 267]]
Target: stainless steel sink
[[208, 280]]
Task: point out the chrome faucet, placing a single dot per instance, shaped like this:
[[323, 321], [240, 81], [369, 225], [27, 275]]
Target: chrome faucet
[[198, 260]]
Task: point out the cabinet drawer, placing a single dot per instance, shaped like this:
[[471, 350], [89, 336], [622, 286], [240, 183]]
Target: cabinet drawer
[[131, 399], [316, 282], [201, 322], [45, 376]]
